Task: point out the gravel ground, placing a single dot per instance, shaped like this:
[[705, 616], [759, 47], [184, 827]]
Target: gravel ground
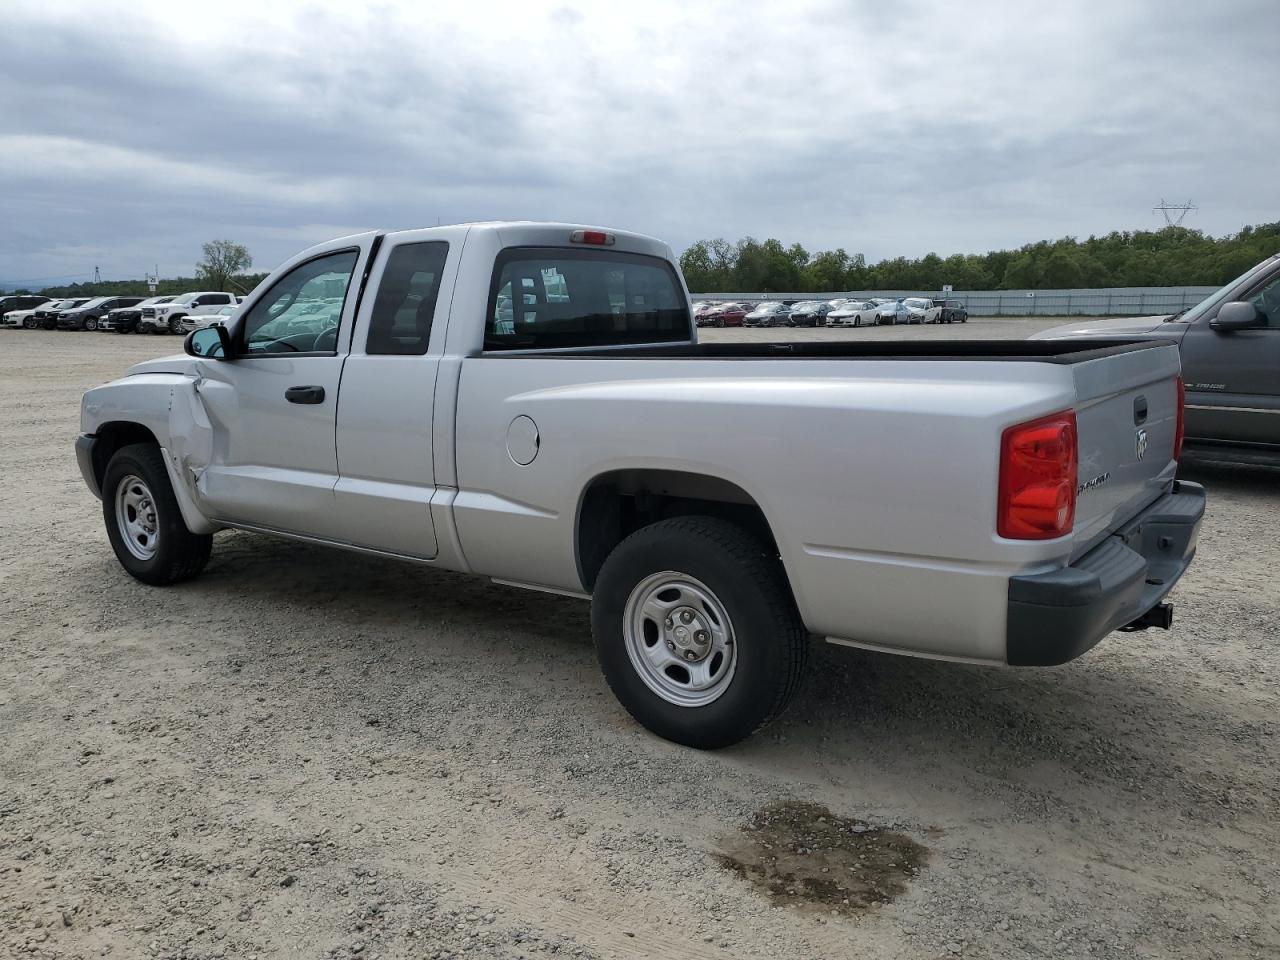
[[317, 754]]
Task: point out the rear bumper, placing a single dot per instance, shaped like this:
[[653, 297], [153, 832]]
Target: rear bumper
[[1055, 617]]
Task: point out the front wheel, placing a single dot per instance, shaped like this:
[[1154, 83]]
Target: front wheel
[[144, 524], [91, 323], [697, 632], [29, 323], [175, 324]]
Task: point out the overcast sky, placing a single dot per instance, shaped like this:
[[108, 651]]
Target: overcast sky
[[130, 132]]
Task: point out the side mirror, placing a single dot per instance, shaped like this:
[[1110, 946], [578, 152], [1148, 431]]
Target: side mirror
[[1237, 315], [210, 343]]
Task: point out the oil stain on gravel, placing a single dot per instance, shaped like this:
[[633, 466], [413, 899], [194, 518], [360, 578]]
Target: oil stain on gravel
[[803, 855]]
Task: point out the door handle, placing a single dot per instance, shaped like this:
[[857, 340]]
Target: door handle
[[305, 394]]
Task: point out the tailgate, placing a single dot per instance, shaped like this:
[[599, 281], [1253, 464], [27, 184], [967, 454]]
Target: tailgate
[[1126, 418]]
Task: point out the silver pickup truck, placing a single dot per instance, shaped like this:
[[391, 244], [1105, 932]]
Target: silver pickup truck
[[529, 402]]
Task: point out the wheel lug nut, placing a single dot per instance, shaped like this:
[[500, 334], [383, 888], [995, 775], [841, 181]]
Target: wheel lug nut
[[689, 655], [670, 645], [670, 623], [686, 616], [701, 636]]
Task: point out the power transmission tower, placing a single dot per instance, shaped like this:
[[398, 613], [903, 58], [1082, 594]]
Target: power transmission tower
[[97, 275], [1174, 213]]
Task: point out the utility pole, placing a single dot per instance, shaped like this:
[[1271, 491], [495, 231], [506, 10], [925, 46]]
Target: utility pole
[[97, 275], [1174, 213]]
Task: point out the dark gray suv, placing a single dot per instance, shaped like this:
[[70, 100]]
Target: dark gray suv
[[1230, 346]]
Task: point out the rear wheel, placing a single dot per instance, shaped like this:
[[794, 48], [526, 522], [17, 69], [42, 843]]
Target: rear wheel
[[696, 631], [144, 524]]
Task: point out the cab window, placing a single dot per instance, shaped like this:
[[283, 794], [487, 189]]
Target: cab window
[[1267, 302], [302, 310], [563, 297], [406, 302]]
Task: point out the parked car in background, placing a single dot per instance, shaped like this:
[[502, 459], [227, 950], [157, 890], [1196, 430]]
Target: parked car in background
[[167, 317], [702, 312], [953, 311], [1230, 348], [853, 313], [125, 319], [46, 316], [923, 309], [726, 315], [810, 313], [19, 303], [87, 315], [767, 314], [194, 321], [16, 310], [893, 312]]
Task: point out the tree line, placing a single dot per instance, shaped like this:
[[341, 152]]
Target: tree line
[[220, 268], [1170, 257]]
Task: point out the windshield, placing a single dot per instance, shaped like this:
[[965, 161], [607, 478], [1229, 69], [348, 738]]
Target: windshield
[[1218, 296], [154, 300], [185, 298], [917, 302]]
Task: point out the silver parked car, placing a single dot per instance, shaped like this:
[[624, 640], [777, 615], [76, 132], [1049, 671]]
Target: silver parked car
[[768, 314]]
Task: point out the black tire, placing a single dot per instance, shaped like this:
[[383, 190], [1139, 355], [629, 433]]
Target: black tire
[[90, 323], [748, 580], [29, 323], [175, 325], [181, 554], [49, 325]]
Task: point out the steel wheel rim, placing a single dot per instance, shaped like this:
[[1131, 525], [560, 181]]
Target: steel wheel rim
[[679, 639], [136, 517]]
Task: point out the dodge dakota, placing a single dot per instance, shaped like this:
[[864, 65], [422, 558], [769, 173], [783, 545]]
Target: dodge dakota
[[530, 403]]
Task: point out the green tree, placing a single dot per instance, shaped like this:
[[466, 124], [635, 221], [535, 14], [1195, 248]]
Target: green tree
[[828, 271], [222, 260]]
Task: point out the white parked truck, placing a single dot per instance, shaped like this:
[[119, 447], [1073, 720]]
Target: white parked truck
[[529, 402], [167, 317]]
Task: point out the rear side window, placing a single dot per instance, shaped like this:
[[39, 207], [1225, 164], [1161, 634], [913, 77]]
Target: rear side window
[[406, 302], [543, 298]]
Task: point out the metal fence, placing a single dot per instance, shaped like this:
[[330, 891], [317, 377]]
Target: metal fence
[[1103, 302]]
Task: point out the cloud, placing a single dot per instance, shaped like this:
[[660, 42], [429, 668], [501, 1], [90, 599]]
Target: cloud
[[133, 131]]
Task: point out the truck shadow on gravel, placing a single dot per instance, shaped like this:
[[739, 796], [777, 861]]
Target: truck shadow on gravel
[[802, 855], [1110, 723]]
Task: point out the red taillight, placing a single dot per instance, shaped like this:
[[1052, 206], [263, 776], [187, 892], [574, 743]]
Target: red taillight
[[1180, 430], [1038, 479], [597, 237]]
